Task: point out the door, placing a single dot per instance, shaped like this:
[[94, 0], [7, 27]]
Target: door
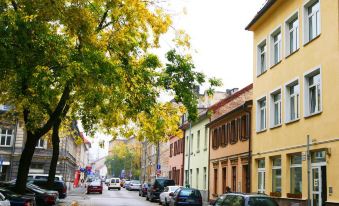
[[261, 181], [318, 185]]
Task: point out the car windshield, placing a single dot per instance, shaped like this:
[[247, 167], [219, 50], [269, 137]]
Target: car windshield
[[96, 183], [165, 182], [172, 189], [135, 182], [261, 201]]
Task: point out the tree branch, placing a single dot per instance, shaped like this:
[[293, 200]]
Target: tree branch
[[15, 5], [102, 21]]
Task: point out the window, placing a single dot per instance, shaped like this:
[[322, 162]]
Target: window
[[262, 59], [234, 132], [234, 178], [275, 108], [261, 114], [276, 47], [215, 143], [215, 181], [6, 137], [292, 104], [261, 176], [186, 146], [296, 174], [311, 20], [276, 174], [171, 149], [198, 141], [186, 176], [197, 178], [191, 144], [205, 140], [40, 143], [292, 34], [191, 173], [245, 127], [223, 184], [223, 136], [313, 92], [205, 177]]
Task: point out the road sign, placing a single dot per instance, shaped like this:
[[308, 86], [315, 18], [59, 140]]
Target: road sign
[[159, 173], [158, 166]]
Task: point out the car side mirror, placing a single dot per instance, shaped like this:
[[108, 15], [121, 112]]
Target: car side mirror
[[171, 194]]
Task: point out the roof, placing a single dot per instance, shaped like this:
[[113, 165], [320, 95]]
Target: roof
[[230, 98], [261, 12]]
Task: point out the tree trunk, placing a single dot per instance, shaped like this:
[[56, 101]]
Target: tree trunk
[[25, 162], [55, 157]]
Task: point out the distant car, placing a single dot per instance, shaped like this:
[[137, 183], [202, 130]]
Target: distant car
[[58, 185], [114, 184], [234, 199], [134, 185], [143, 189], [186, 196], [157, 187], [4, 201], [126, 183], [107, 182], [16, 199], [95, 186], [164, 196]]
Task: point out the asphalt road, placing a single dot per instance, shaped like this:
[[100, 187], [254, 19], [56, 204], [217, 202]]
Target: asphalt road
[[110, 198]]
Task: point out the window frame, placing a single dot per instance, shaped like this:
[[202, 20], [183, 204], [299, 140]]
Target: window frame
[[272, 107], [261, 170], [259, 53], [273, 34], [313, 72], [295, 166], [276, 168], [6, 137], [294, 16], [38, 146], [198, 141], [288, 85], [306, 31], [258, 114]]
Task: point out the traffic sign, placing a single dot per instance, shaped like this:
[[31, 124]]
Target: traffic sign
[[158, 166]]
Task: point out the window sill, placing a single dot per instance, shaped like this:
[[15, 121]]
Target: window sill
[[276, 64], [6, 146], [275, 126], [292, 121], [290, 54], [307, 43], [198, 151], [313, 114], [260, 131], [258, 75], [205, 149]]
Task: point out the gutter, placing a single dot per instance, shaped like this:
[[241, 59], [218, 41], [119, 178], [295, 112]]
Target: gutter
[[260, 13]]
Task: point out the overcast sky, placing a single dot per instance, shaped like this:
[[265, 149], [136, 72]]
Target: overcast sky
[[217, 30]]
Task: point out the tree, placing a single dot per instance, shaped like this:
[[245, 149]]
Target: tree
[[92, 56]]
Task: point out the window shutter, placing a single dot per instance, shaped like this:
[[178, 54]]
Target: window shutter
[[226, 133], [248, 126]]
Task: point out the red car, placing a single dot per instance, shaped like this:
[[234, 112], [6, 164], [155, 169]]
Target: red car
[[95, 186]]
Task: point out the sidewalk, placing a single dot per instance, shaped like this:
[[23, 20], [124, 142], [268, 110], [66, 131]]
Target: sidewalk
[[73, 197]]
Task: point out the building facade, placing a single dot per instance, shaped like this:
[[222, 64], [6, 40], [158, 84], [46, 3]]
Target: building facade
[[229, 149], [295, 74], [176, 160]]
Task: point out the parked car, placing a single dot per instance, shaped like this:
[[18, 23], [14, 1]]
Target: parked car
[[18, 200], [4, 201], [164, 196], [143, 189], [58, 185], [235, 199], [126, 183], [114, 184], [186, 196], [43, 176], [157, 187], [95, 186], [107, 181], [133, 185]]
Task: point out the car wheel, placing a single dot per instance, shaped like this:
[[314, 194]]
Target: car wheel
[[147, 197], [166, 204], [119, 189], [101, 192]]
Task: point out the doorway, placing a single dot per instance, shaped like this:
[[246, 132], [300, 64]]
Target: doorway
[[318, 179]]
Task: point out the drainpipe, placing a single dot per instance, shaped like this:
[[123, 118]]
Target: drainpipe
[[13, 147], [308, 172], [189, 156], [249, 148]]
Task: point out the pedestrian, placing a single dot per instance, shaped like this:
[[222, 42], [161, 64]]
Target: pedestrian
[[227, 189]]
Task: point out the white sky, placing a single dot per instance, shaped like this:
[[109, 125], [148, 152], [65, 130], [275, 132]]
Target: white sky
[[217, 30]]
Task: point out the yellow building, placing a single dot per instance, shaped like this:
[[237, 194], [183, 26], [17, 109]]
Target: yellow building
[[295, 94]]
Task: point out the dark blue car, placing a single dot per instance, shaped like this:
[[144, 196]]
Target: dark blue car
[[18, 200], [186, 197]]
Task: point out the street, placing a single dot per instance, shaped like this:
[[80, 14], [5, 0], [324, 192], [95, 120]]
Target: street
[[112, 197]]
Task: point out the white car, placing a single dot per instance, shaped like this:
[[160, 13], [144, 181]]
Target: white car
[[114, 184], [134, 185], [43, 177], [3, 201], [164, 196]]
